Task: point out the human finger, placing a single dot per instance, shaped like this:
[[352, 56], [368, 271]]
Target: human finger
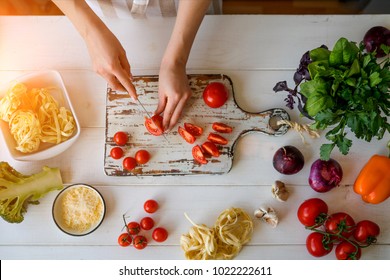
[[113, 82], [177, 113], [124, 78]]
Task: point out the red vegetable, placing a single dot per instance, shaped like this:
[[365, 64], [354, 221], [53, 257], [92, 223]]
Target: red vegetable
[[325, 175], [375, 37], [288, 160], [215, 94]]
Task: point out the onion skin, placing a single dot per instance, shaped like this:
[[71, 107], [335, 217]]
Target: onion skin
[[288, 160], [325, 175], [374, 37]]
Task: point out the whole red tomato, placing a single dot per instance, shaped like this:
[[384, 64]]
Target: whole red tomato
[[121, 138], [215, 94], [124, 239], [116, 152], [312, 212], [348, 251], [340, 223], [133, 228], [150, 206], [147, 223], [129, 163], [318, 244], [366, 232], [160, 234], [142, 156], [140, 242]]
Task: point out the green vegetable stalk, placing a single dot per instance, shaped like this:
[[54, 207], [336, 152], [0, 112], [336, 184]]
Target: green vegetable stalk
[[344, 90], [18, 190]]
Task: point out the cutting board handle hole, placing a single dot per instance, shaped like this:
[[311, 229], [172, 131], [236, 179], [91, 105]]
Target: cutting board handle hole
[[273, 122]]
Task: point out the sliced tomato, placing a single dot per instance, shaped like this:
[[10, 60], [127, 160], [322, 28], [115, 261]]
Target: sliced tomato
[[222, 128], [155, 125], [186, 135], [193, 129], [217, 139], [198, 154], [210, 148]]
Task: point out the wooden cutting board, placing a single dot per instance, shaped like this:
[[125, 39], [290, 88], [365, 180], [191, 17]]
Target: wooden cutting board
[[173, 156]]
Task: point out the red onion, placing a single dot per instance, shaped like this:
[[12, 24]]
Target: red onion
[[376, 36], [325, 175], [288, 160]]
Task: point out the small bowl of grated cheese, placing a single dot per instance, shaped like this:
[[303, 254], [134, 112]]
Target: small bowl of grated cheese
[[79, 209]]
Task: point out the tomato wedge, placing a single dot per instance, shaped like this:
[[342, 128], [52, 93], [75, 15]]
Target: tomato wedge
[[186, 135], [193, 129], [222, 128], [217, 139], [198, 154], [210, 148], [154, 125]]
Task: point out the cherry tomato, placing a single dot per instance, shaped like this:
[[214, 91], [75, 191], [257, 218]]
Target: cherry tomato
[[129, 163], [147, 223], [160, 234], [155, 125], [312, 212], [142, 156], [150, 206], [348, 251], [140, 242], [198, 154], [222, 128], [340, 223], [116, 153], [121, 138], [215, 94], [318, 245], [366, 232], [193, 129], [210, 148], [186, 135], [217, 139], [133, 228], [124, 239]]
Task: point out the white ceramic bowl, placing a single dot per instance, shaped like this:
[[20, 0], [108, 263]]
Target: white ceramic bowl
[[77, 227], [41, 79]]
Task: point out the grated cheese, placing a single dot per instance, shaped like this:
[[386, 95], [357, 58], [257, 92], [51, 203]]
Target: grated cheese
[[82, 208]]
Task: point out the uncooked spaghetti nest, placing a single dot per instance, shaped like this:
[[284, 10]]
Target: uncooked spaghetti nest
[[232, 230], [34, 116]]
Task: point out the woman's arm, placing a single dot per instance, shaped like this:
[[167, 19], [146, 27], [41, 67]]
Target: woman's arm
[[174, 89], [107, 54]]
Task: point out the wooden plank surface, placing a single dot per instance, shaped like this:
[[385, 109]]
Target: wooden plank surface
[[172, 155]]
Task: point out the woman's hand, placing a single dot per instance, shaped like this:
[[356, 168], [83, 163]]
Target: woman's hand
[[173, 91]]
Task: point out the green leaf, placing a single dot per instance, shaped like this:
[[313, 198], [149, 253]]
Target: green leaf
[[326, 150], [319, 54], [355, 68], [343, 53], [374, 79], [316, 103], [344, 144]]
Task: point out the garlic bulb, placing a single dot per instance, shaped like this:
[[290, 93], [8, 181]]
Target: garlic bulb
[[279, 191], [268, 215]]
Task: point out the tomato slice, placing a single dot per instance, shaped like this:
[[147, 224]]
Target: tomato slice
[[217, 139], [222, 128], [198, 154], [186, 135], [210, 148], [154, 125], [193, 129]]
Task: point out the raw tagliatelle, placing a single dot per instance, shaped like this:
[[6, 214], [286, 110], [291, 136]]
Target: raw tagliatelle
[[34, 116], [232, 230]]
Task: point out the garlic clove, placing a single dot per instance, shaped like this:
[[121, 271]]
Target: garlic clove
[[279, 191], [268, 215]]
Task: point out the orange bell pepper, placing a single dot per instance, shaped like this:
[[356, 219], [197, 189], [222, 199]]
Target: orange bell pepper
[[373, 182]]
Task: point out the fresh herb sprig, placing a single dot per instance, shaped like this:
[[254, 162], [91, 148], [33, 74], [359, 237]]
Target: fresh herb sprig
[[342, 89]]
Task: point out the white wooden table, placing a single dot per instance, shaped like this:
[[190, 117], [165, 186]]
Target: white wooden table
[[256, 52]]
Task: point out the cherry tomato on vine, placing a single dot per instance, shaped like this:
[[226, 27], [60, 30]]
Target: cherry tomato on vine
[[142, 156], [198, 154], [348, 251], [217, 139], [193, 129], [312, 212], [121, 138], [133, 228], [140, 242], [124, 239], [150, 206], [188, 137], [116, 153], [318, 244], [215, 94], [366, 232], [129, 163], [222, 128], [155, 125], [147, 223], [340, 223], [160, 234]]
